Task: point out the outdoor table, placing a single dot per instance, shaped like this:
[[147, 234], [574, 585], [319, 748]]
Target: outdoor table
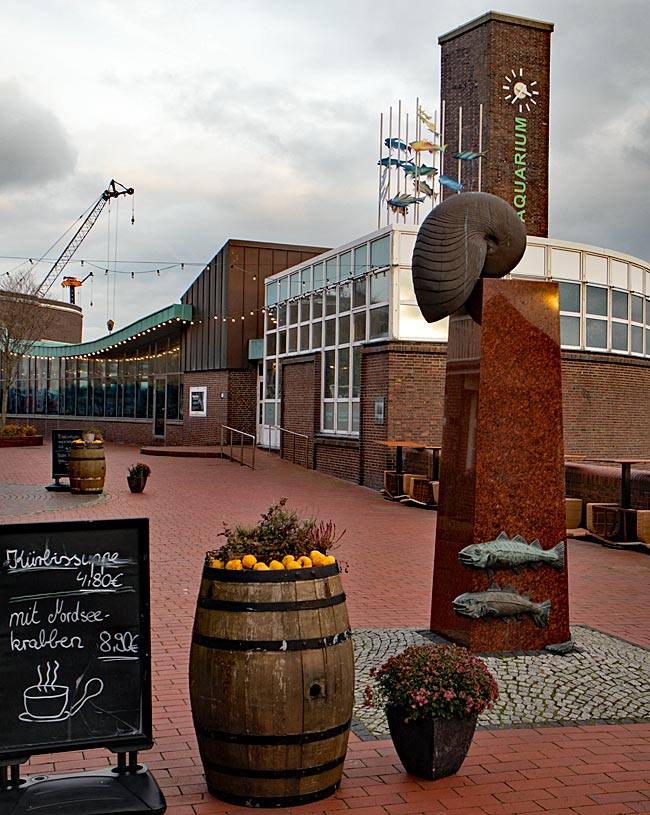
[[626, 478], [399, 447]]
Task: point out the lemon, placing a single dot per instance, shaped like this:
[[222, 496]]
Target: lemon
[[305, 562], [260, 567], [248, 561], [235, 565], [286, 560], [275, 564]]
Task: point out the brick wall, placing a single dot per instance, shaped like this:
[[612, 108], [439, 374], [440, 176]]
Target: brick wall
[[410, 377], [338, 457], [300, 383], [203, 429], [474, 67]]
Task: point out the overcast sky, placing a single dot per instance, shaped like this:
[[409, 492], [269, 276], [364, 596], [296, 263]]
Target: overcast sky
[[259, 119]]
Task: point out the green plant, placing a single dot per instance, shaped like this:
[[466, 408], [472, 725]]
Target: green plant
[[140, 470], [97, 433], [280, 532], [433, 681]]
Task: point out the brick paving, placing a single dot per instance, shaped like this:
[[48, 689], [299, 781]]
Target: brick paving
[[588, 769]]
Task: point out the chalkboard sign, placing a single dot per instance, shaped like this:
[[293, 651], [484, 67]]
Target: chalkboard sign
[[75, 655], [61, 444]]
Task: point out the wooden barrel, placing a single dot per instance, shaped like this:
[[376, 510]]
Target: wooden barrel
[[272, 684], [87, 469]]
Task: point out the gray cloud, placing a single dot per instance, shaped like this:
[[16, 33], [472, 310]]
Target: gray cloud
[[34, 147]]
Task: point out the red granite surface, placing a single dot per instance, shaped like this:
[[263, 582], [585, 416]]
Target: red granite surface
[[502, 463]]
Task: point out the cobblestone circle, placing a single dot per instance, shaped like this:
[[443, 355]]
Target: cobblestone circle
[[30, 499], [605, 680]]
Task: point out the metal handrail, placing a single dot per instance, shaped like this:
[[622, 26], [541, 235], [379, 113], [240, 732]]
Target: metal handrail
[[241, 445], [294, 434]]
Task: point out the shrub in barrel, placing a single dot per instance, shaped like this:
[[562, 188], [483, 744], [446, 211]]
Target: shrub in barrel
[[271, 664]]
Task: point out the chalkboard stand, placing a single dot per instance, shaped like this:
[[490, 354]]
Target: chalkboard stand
[[58, 487], [128, 788], [61, 443]]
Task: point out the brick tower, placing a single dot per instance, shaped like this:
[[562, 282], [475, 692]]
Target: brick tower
[[495, 84]]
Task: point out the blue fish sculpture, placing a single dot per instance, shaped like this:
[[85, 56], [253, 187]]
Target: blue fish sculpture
[[396, 144], [502, 603], [511, 553], [421, 170], [389, 162], [450, 183], [468, 155]]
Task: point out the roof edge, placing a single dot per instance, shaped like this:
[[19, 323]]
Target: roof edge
[[495, 16]]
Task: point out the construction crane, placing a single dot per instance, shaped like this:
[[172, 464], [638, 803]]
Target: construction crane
[[73, 283], [111, 191]]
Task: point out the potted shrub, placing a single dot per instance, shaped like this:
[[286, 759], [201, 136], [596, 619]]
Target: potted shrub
[[137, 477], [91, 434], [271, 669], [433, 695], [15, 435]]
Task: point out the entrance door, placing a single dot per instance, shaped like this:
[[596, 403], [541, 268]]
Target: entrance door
[[160, 386]]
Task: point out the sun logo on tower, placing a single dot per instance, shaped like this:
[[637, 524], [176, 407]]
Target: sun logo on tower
[[520, 93]]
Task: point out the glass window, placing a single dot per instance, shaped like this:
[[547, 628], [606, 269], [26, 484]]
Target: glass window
[[356, 372], [269, 413], [637, 339], [98, 398], [173, 394], [319, 276], [142, 392], [379, 287], [344, 297], [328, 416], [294, 284], [380, 252], [344, 374], [596, 300], [304, 309], [570, 297], [329, 374], [282, 314], [304, 337], [282, 342], [293, 340], [619, 304], [378, 322], [359, 326], [283, 291], [344, 329], [270, 389], [271, 318], [305, 280], [316, 334], [355, 417], [330, 270], [342, 416], [637, 308], [330, 331], [330, 302], [272, 293], [345, 266], [293, 313], [129, 396], [596, 333], [317, 305], [271, 344], [570, 330], [359, 293], [619, 336], [361, 259]]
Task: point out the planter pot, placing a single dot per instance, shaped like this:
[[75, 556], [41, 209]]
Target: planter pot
[[136, 483], [21, 441], [87, 469], [272, 684], [430, 748]]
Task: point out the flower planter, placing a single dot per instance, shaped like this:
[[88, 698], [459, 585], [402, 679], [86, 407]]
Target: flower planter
[[430, 748], [21, 441], [136, 483], [272, 684]]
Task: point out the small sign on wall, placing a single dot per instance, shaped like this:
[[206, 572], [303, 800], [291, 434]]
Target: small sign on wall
[[199, 401]]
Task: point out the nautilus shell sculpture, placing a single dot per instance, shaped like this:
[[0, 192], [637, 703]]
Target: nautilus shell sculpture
[[468, 236]]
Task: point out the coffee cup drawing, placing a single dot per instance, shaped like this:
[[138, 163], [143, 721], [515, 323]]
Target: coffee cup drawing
[[48, 702]]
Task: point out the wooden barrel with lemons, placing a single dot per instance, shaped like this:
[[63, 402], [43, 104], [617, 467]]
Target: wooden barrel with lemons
[[86, 469], [272, 684]]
